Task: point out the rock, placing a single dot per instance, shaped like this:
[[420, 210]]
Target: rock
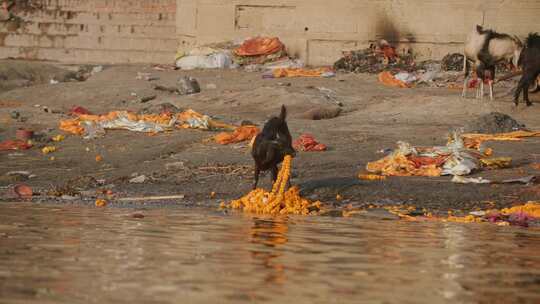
[[139, 179], [321, 113], [160, 108], [188, 85], [493, 122], [175, 166]]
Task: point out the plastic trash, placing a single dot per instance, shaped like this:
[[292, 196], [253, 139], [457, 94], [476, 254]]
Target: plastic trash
[[219, 60]]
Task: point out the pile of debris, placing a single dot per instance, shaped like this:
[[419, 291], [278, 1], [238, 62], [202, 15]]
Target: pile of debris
[[375, 59]]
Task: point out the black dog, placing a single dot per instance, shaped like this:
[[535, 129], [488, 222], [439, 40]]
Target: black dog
[[271, 146], [529, 61]]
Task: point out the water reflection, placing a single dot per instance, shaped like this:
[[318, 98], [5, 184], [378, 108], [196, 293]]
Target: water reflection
[[74, 254], [270, 233]]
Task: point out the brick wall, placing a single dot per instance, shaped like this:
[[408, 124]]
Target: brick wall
[[109, 31]]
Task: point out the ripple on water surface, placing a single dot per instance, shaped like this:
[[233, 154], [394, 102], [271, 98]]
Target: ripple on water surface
[[51, 254]]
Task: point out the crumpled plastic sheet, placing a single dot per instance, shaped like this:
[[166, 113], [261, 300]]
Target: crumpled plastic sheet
[[406, 160]]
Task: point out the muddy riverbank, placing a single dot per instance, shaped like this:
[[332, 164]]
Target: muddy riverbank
[[373, 117]]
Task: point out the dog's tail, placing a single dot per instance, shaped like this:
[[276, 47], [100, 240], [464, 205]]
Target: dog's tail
[[283, 113]]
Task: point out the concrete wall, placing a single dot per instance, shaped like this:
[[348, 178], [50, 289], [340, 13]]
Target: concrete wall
[[319, 30], [315, 30], [91, 31]]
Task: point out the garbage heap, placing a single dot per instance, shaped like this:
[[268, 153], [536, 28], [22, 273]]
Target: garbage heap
[[375, 59]]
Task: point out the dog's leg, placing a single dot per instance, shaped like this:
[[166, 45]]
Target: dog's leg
[[256, 177], [274, 173]]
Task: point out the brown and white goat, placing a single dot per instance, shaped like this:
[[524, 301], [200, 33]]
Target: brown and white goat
[[485, 48]]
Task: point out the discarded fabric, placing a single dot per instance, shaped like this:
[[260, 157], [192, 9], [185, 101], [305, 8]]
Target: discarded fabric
[[240, 134], [474, 141], [306, 142], [389, 80], [95, 125], [14, 145], [293, 72], [453, 159]]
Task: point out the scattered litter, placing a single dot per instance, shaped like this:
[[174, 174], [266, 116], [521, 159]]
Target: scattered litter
[[24, 174], [306, 142], [54, 81], [301, 72], [101, 203], [14, 145], [240, 134], [48, 149], [389, 80], [375, 59], [78, 110], [452, 62], [146, 76], [527, 180], [139, 179], [474, 141], [99, 158], [406, 160], [24, 135], [470, 180], [92, 126], [211, 86], [405, 77], [175, 166], [371, 177], [23, 191], [97, 69], [218, 60], [496, 163], [58, 138], [137, 215]]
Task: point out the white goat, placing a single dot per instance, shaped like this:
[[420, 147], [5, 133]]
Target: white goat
[[485, 48]]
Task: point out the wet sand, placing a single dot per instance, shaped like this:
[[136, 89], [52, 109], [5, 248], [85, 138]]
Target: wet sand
[[373, 117]]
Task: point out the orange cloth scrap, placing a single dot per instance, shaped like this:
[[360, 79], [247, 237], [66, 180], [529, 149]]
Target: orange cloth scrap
[[185, 120], [389, 80], [306, 142], [260, 46], [401, 165], [238, 135], [299, 72], [473, 141]]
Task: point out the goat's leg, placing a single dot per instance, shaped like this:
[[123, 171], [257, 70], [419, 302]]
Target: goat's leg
[[481, 89], [256, 177], [490, 83], [466, 77]]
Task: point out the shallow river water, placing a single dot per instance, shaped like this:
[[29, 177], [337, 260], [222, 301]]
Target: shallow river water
[[74, 254]]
